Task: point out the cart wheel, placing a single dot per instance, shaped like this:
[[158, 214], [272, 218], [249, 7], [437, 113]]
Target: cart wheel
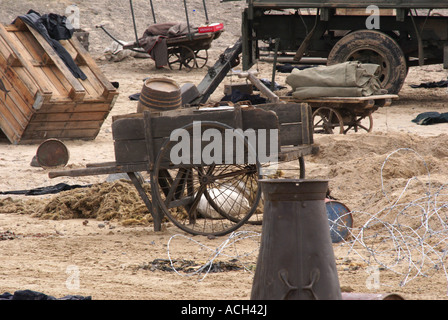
[[201, 58], [327, 120], [360, 124], [181, 56], [206, 198]]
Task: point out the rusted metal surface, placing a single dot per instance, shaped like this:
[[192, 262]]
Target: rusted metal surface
[[296, 259], [52, 153]]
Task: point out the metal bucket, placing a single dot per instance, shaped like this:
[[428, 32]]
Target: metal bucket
[[296, 259], [158, 95]]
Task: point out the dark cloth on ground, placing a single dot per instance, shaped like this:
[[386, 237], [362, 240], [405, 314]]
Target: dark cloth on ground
[[433, 84], [34, 295], [428, 118], [59, 27], [154, 39], [45, 190], [287, 68], [238, 96]]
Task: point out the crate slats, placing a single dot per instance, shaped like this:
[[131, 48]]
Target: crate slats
[[45, 100]]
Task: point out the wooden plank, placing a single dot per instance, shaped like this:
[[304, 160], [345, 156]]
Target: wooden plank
[[129, 151], [290, 134], [40, 136], [341, 99], [98, 170], [65, 117], [62, 125], [294, 153], [109, 91], [75, 107], [286, 112], [77, 91], [29, 68], [21, 79]]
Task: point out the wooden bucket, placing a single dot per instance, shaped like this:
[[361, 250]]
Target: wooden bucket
[[158, 95]]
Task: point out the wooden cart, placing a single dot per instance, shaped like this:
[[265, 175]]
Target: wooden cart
[[344, 114], [188, 51], [227, 184]]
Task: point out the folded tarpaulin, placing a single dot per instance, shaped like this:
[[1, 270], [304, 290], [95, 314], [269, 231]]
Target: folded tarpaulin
[[427, 118], [54, 28], [348, 79]]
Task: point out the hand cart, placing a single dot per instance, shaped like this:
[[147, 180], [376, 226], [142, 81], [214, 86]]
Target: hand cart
[[185, 51], [228, 184], [344, 114]]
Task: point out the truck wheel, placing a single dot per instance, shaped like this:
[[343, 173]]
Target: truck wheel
[[371, 46]]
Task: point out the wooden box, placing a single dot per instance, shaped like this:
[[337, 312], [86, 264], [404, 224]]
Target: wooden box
[[45, 100]]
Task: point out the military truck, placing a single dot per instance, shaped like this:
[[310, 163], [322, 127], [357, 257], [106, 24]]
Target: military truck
[[393, 34]]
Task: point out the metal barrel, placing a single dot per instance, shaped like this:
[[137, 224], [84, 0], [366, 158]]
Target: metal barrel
[[296, 259]]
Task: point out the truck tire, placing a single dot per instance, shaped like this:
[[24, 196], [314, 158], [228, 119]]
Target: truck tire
[[371, 46]]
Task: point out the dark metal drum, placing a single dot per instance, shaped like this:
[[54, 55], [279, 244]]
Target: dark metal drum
[[296, 259]]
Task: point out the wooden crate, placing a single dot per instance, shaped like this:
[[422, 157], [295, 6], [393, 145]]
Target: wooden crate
[[45, 100]]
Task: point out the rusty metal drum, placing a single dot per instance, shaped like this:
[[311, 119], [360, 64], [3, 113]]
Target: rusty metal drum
[[52, 153], [296, 259]]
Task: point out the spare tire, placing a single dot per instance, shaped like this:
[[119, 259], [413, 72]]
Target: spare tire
[[372, 46]]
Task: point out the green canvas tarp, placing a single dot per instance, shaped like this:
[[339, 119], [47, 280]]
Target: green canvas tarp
[[348, 79]]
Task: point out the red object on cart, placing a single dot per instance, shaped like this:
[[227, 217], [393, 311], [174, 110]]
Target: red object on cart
[[210, 28]]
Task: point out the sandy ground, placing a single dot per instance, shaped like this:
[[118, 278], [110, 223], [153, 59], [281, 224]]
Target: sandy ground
[[114, 260]]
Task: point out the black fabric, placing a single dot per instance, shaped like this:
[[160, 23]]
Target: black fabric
[[433, 84], [45, 190], [428, 118], [287, 68], [238, 96], [34, 295], [56, 25]]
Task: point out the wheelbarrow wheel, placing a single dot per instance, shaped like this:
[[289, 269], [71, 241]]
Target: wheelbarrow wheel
[[358, 123], [203, 197], [327, 121], [180, 57], [201, 58]]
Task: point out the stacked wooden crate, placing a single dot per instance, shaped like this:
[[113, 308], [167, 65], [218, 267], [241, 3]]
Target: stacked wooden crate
[[45, 100]]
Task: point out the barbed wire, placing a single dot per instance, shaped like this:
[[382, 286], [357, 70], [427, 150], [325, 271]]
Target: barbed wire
[[214, 253], [408, 238]]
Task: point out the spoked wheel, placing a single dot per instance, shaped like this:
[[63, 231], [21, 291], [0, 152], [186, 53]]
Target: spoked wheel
[[327, 121], [359, 123], [211, 197], [181, 56], [201, 58]]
